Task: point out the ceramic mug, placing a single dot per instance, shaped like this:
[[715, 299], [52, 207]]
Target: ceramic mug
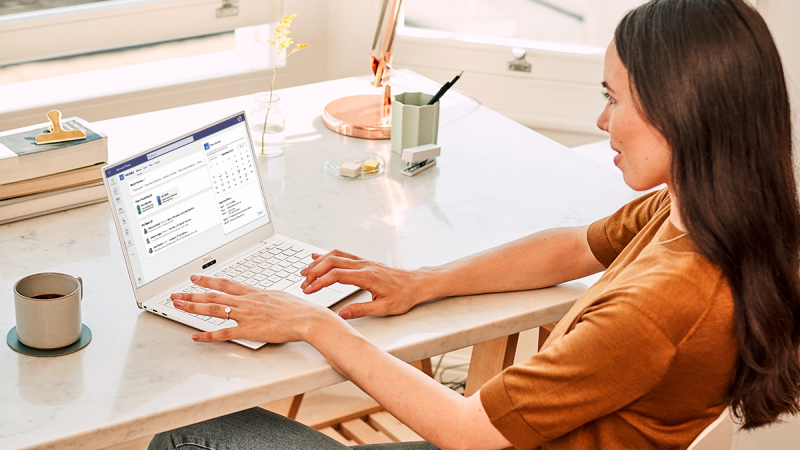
[[48, 307]]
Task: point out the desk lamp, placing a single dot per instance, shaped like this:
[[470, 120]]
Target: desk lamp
[[370, 116]]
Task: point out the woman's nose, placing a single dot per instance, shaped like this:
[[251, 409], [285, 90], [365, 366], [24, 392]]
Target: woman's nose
[[602, 120]]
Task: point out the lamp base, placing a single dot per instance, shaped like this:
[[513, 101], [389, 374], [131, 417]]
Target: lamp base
[[360, 116]]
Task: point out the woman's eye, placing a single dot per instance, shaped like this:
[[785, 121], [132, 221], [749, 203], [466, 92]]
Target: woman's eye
[[607, 95]]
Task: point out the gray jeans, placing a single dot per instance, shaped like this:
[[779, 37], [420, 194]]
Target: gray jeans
[[259, 429]]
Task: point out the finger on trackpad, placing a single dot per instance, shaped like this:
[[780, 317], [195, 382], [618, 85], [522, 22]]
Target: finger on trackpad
[[323, 297]]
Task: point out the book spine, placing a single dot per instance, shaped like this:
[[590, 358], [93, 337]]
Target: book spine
[[59, 201]]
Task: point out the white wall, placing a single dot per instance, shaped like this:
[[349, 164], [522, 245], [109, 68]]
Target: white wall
[[783, 18], [339, 33]]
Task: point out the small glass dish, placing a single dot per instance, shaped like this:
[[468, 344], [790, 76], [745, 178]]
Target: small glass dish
[[332, 163]]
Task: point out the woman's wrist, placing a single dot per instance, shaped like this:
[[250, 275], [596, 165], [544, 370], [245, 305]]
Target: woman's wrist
[[321, 324], [430, 283]]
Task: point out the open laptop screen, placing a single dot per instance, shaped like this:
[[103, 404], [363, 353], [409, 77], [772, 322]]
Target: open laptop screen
[[187, 198]]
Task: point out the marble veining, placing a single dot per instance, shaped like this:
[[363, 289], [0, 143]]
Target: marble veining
[[495, 181]]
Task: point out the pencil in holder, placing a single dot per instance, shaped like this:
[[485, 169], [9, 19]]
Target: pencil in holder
[[414, 122]]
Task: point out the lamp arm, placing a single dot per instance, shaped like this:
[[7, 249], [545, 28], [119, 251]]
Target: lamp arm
[[381, 65], [380, 23]]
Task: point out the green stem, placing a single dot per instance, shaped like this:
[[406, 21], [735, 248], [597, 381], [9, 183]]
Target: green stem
[[271, 88]]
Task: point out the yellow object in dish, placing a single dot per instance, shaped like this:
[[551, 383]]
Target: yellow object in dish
[[370, 165]]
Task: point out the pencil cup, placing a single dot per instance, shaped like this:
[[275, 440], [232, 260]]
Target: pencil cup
[[414, 122]]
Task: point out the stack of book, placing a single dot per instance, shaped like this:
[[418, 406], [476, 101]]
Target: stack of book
[[42, 179]]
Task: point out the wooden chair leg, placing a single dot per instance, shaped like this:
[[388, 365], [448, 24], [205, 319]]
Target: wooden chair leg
[[334, 419], [295, 407], [544, 333], [489, 359], [425, 366], [367, 423], [288, 406]]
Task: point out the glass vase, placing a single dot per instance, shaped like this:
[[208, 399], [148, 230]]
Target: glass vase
[[268, 125]]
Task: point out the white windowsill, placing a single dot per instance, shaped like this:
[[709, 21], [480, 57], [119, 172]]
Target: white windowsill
[[126, 79], [489, 41], [132, 89]]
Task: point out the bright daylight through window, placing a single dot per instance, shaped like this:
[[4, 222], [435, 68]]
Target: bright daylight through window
[[87, 26], [19, 6], [585, 23]]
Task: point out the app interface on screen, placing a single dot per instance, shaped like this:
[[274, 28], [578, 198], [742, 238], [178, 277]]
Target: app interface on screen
[[183, 200]]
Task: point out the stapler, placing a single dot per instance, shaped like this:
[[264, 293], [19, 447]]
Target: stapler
[[420, 158]]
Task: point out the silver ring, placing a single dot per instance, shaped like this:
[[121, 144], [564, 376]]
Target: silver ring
[[227, 312]]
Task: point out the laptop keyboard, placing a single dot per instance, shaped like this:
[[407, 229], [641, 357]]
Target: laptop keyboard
[[275, 267]]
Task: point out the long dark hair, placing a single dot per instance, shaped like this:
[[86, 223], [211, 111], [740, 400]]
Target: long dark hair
[[708, 76]]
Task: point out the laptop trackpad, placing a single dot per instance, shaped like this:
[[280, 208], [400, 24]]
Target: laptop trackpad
[[324, 297]]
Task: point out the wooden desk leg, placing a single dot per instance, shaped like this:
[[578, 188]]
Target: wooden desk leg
[[544, 333], [489, 359], [425, 366], [288, 406]]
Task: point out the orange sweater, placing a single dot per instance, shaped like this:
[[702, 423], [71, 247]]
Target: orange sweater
[[644, 358]]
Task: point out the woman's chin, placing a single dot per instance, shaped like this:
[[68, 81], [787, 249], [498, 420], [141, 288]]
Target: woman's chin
[[635, 183]]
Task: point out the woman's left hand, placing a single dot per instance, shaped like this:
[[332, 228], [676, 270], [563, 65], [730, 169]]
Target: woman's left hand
[[262, 315]]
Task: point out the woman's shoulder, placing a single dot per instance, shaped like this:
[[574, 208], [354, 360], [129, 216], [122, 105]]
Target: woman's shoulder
[[608, 237], [676, 287]]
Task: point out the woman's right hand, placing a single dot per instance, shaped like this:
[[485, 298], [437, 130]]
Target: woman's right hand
[[394, 291]]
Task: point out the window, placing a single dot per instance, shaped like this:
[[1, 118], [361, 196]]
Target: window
[[564, 42], [15, 7], [54, 28], [572, 23]]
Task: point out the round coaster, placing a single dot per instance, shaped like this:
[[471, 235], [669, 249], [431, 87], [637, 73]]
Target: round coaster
[[17, 346]]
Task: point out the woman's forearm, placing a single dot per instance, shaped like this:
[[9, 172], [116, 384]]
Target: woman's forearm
[[539, 260], [436, 413], [542, 259]]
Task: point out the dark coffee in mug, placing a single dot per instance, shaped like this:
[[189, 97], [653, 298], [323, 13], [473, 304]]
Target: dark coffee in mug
[[48, 310]]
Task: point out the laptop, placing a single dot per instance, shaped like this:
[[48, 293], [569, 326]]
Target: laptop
[[196, 205]]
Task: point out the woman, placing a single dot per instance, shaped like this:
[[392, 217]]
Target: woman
[[699, 308]]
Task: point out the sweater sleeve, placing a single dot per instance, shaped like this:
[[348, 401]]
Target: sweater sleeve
[[607, 237]]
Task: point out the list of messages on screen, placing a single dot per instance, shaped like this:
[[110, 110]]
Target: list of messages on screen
[[187, 198]]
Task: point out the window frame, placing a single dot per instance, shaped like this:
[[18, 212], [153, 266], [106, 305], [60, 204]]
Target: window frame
[[562, 92], [118, 23]]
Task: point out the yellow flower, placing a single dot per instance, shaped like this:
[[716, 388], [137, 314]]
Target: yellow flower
[[281, 42]]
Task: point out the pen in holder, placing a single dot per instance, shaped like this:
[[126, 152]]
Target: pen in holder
[[414, 122]]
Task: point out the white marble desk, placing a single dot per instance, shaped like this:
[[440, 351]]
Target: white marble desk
[[495, 181]]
